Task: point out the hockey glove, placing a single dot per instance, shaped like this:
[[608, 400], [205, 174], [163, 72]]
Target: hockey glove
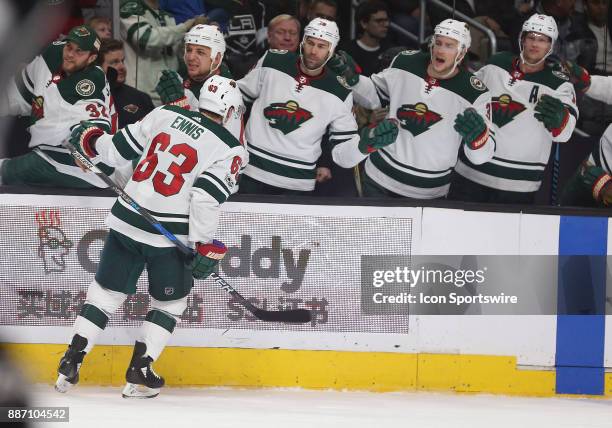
[[552, 113], [472, 128], [343, 65], [207, 257], [579, 77], [598, 181], [373, 138], [84, 137], [170, 88]]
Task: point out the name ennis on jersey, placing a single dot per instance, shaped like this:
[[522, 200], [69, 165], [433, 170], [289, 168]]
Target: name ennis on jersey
[[191, 167]]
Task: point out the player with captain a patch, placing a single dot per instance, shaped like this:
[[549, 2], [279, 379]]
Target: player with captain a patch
[[296, 100], [58, 89], [534, 105], [442, 110]]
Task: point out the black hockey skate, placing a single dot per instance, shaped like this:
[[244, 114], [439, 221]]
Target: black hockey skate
[[68, 370], [142, 381]]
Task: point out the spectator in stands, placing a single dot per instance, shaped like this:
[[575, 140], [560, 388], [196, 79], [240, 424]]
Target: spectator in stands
[[131, 104], [406, 14], [284, 33], [182, 10], [75, 17], [373, 22], [562, 11], [480, 11], [246, 33], [590, 38], [151, 37], [525, 7], [326, 9], [102, 25], [589, 45]]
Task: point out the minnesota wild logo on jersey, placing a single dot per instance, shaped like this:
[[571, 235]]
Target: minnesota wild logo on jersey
[[286, 117], [417, 118], [505, 109], [38, 108]]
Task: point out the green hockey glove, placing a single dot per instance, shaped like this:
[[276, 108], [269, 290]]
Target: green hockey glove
[[552, 113], [170, 88], [579, 77], [206, 258], [598, 181], [472, 128], [343, 65], [383, 134], [84, 136]]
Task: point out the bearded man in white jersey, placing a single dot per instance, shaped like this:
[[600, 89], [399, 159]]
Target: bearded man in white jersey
[[296, 100]]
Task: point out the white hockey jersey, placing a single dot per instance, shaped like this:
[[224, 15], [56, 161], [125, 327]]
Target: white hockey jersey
[[192, 93], [291, 113], [420, 163], [152, 41], [601, 155], [190, 167], [523, 143], [601, 89], [56, 103]]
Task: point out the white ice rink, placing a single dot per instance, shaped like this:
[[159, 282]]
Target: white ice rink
[[216, 408]]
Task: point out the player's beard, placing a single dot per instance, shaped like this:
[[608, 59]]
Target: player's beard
[[313, 64], [74, 65]]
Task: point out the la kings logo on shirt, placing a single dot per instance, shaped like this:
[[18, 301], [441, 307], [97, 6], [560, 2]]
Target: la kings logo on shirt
[[505, 109], [286, 117], [417, 118], [85, 87]]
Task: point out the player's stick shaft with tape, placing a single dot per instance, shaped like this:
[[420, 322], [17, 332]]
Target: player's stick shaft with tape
[[289, 316]]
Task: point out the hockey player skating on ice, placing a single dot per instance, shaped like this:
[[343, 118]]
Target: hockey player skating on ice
[[190, 168], [296, 99], [442, 110], [534, 105], [58, 89]]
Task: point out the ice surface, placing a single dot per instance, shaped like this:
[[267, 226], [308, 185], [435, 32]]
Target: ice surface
[[291, 408]]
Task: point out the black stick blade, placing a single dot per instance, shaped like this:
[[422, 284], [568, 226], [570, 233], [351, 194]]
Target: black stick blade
[[295, 316]]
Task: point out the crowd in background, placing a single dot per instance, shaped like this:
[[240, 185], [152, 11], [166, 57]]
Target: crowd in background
[[151, 40]]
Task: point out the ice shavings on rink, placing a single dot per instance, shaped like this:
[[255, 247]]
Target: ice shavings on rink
[[217, 407]]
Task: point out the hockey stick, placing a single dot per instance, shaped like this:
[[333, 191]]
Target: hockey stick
[[289, 316]]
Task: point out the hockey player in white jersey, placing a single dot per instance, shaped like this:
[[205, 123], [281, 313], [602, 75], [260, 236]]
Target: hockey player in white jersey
[[58, 89], [591, 184], [442, 109], [534, 105], [204, 50], [190, 167], [296, 99]]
